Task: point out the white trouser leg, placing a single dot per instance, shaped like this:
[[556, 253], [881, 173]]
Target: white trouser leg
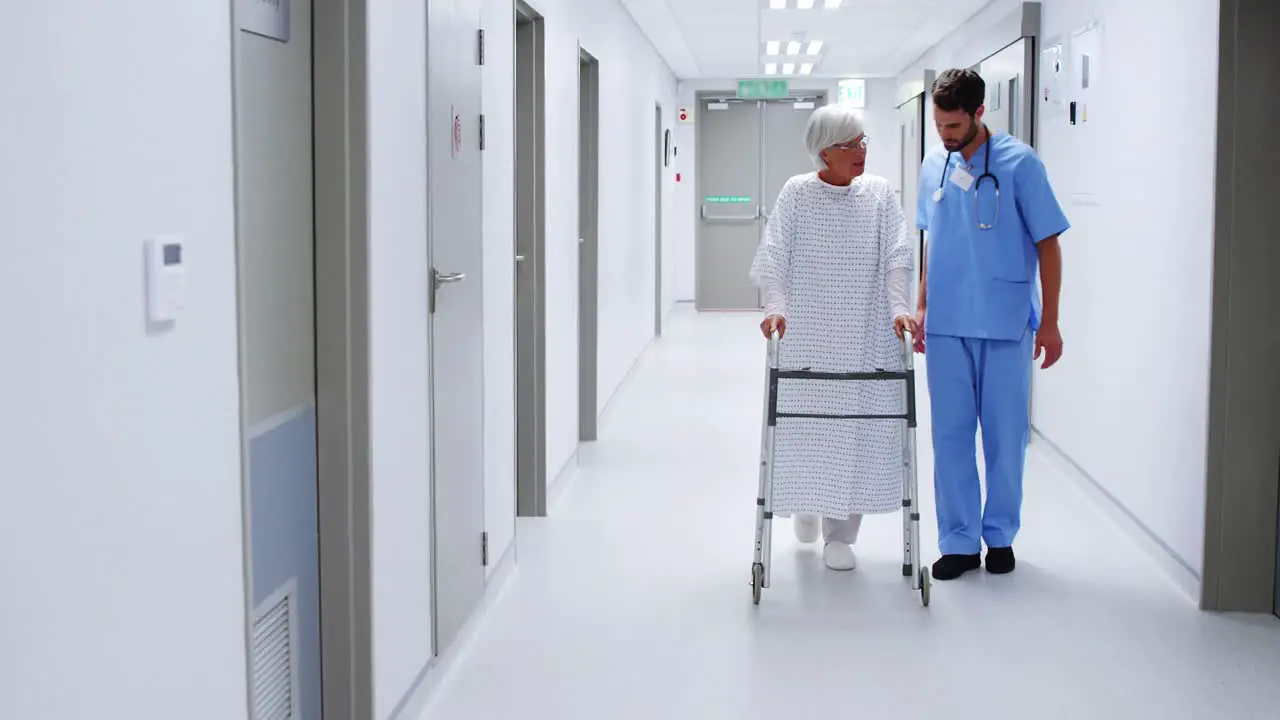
[[842, 531]]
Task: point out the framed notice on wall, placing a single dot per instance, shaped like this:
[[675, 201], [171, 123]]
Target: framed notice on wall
[[268, 18]]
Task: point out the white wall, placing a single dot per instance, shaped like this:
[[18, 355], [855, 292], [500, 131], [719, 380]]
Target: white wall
[[122, 556], [1128, 402], [883, 159], [632, 79], [399, 420]]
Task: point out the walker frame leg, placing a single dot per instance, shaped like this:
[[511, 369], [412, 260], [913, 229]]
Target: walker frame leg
[[761, 567]]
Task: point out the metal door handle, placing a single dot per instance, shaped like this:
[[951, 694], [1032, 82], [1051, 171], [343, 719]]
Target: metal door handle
[[439, 279], [447, 278], [729, 218], [519, 258]]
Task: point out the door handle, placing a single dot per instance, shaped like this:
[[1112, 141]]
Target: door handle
[[447, 278], [519, 258], [438, 280], [729, 218]]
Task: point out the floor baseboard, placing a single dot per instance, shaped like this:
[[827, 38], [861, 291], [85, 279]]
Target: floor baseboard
[[1178, 571], [416, 704]]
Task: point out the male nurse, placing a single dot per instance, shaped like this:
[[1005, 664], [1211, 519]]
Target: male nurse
[[991, 220]]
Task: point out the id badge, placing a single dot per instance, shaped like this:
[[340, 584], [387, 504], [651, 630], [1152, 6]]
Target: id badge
[[961, 179]]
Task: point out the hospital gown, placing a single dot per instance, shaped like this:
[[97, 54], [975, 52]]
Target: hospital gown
[[836, 263]]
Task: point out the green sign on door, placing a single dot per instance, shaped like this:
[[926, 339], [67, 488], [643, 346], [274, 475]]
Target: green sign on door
[[762, 89], [727, 199]]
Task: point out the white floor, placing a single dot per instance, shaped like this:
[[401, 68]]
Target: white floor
[[633, 599]]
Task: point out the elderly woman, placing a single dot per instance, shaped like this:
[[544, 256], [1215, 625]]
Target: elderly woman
[[835, 269]]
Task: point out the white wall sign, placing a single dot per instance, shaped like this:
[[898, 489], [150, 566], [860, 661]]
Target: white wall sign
[[268, 18], [685, 116]]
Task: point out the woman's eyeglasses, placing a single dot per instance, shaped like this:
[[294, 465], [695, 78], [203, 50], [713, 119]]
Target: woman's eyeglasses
[[859, 144]]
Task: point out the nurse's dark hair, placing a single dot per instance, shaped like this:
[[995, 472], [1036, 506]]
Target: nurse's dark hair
[[959, 90]]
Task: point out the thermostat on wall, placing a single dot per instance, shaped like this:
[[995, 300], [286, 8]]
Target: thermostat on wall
[[166, 278]]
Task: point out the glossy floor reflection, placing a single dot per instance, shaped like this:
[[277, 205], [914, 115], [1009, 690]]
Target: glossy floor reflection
[[633, 599]]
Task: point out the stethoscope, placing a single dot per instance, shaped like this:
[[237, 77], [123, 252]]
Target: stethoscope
[[977, 186]]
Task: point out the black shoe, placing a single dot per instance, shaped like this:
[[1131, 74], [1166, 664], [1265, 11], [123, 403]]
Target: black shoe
[[1000, 560], [950, 567]]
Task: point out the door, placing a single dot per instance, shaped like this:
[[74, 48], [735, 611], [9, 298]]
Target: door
[[746, 152], [659, 178], [588, 244], [783, 152], [275, 249], [911, 129], [454, 101], [729, 140], [531, 471]]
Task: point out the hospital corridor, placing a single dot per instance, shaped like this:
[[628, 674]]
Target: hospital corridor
[[639, 359]]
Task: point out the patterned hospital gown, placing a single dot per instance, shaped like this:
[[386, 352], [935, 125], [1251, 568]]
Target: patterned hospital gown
[[828, 249]]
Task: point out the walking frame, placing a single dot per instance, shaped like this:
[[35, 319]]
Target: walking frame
[[911, 567]]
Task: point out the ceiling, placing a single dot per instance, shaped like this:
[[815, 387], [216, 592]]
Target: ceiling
[[860, 38]]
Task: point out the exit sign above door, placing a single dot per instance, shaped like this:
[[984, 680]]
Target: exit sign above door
[[762, 89]]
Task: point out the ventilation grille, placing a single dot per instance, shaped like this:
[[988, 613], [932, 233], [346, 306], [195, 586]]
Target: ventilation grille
[[275, 669]]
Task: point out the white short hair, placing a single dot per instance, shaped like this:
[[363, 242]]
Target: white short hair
[[831, 125]]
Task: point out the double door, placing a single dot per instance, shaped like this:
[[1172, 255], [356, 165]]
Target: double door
[[747, 150]]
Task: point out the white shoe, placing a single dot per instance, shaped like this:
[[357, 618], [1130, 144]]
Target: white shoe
[[839, 556], [807, 528]]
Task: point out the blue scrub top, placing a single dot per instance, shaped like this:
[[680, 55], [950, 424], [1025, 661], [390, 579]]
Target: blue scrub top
[[983, 283]]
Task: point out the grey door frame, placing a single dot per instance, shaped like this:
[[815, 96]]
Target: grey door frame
[[340, 83], [1243, 465], [588, 245], [530, 265]]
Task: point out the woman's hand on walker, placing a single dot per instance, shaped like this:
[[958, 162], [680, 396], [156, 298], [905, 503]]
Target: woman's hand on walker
[[904, 324], [771, 323]]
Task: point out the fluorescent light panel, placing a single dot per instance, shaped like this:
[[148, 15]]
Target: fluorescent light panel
[[771, 68], [788, 68], [793, 47], [805, 4], [806, 68], [815, 47]]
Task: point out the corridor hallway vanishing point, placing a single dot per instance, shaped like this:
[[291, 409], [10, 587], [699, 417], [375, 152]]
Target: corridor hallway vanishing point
[[632, 601]]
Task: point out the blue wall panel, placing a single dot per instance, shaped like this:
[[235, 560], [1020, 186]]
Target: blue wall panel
[[286, 543]]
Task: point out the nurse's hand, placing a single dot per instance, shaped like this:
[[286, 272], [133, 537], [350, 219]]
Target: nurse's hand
[[1049, 344], [905, 324], [771, 323], [918, 335]]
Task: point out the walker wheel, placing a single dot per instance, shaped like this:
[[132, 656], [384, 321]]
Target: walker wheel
[[757, 582], [924, 586]]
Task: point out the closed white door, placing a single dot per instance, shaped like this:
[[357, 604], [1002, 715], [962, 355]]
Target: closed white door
[[457, 367]]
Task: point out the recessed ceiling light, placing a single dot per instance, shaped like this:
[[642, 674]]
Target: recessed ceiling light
[[778, 4], [793, 47], [815, 47], [771, 68], [831, 4], [773, 47], [788, 68], [806, 68], [804, 4]]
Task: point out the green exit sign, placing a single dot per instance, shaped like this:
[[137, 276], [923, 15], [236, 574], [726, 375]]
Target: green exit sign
[[762, 89]]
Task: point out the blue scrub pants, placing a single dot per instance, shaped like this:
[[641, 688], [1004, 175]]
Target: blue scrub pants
[[974, 381]]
